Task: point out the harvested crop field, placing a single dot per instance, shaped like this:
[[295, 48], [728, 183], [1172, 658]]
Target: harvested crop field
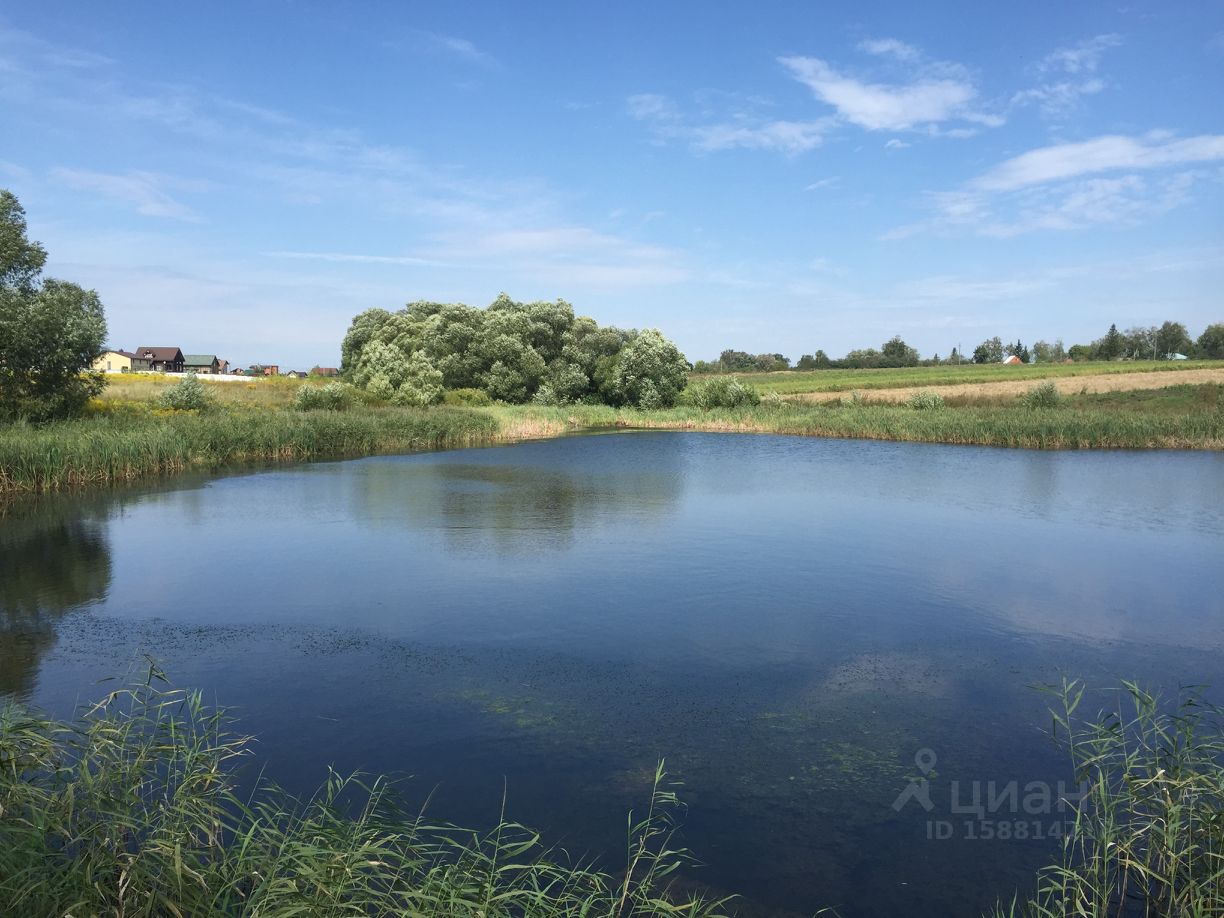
[[1067, 385]]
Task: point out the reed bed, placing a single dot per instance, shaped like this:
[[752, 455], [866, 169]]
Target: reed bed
[[109, 449], [135, 810], [126, 443], [1148, 834], [1077, 426]]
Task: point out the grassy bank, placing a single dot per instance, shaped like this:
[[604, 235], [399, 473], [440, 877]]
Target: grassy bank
[[135, 810], [128, 439], [112, 448], [1081, 422], [791, 382]]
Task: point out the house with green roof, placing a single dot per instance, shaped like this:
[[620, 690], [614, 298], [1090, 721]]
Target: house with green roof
[[201, 363]]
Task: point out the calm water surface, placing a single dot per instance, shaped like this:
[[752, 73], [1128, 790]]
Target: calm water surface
[[789, 622]]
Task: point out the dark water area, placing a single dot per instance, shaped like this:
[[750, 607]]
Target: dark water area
[[802, 628]]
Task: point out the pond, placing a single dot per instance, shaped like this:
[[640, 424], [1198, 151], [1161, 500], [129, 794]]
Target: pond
[[801, 628]]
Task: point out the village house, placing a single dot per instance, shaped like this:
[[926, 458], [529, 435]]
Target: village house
[[271, 369], [296, 374], [162, 359], [116, 361], [324, 371], [201, 364], [223, 366]]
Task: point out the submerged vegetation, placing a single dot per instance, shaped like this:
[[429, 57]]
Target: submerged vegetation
[[136, 809]]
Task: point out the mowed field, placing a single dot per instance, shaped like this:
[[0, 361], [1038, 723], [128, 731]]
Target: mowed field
[[993, 391], [1072, 377]]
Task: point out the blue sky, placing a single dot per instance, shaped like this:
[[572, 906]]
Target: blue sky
[[242, 178]]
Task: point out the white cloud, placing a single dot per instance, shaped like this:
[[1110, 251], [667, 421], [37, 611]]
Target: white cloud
[[789, 137], [1083, 57], [895, 144], [651, 106], [891, 47], [935, 94], [145, 191], [1101, 154], [1098, 182], [460, 48], [744, 130], [1068, 77], [823, 183], [357, 258], [953, 287]]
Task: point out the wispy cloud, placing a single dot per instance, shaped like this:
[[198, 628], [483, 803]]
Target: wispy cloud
[[358, 258], [1067, 76], [1102, 154], [932, 94], [1083, 57], [823, 183], [1075, 185], [144, 191], [460, 49], [742, 130], [891, 47]]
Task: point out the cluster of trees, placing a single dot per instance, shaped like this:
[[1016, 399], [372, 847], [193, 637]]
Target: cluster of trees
[[515, 352], [1152, 343], [730, 361], [892, 353], [50, 330]]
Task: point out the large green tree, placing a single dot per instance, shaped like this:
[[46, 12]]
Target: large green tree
[[1172, 338], [1211, 342], [50, 330], [514, 351]]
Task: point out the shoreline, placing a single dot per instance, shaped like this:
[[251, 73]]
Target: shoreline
[[101, 451]]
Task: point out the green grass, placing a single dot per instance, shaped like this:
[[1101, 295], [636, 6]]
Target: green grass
[[794, 382], [130, 440], [1078, 422], [135, 810], [112, 448]]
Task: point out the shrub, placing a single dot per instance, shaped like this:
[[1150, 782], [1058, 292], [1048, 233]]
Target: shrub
[[334, 396], [472, 398], [721, 392], [773, 401], [1045, 395], [188, 394], [925, 400]]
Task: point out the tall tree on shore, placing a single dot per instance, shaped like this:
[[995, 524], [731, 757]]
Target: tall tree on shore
[[51, 331]]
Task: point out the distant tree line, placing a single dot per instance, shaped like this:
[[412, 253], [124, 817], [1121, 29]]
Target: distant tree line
[[1151, 343], [513, 352]]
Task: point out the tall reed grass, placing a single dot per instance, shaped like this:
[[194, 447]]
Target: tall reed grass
[[1148, 836], [1072, 426], [107, 449], [134, 810]]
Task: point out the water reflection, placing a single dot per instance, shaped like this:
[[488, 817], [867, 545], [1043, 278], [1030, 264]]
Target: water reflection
[[54, 558], [519, 507]]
